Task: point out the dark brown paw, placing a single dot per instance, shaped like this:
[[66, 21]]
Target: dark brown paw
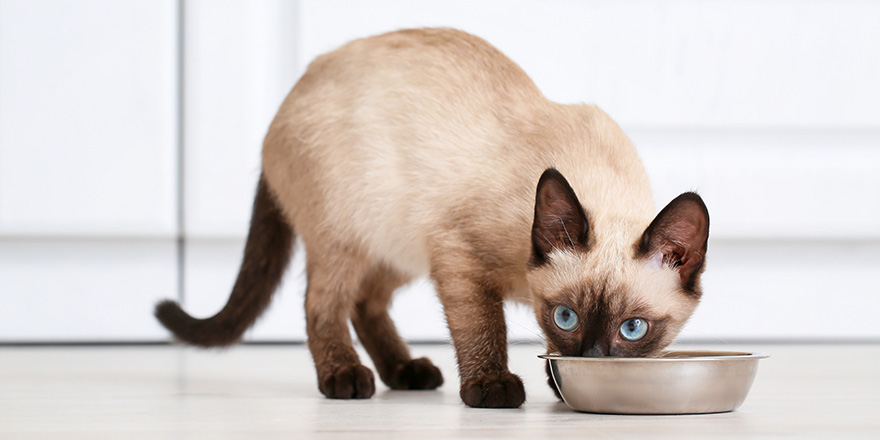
[[348, 382], [552, 382], [501, 390], [416, 374]]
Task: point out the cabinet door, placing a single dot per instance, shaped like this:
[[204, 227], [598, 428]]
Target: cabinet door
[[239, 59], [767, 109], [88, 168], [240, 63], [88, 125], [658, 63], [84, 290]]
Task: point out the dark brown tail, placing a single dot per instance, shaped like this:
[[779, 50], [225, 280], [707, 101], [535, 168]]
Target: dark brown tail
[[266, 255]]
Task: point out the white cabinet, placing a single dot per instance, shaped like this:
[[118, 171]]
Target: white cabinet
[[768, 108], [782, 184], [84, 290], [788, 290], [240, 58], [88, 126], [88, 168], [240, 62], [212, 266], [659, 63]]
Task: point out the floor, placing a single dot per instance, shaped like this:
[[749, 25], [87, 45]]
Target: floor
[[802, 391]]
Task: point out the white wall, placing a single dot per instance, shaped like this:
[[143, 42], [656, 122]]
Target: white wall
[[768, 108]]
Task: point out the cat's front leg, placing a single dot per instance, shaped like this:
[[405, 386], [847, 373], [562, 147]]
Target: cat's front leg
[[475, 315]]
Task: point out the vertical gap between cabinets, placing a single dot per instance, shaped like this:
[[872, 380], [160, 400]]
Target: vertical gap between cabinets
[[181, 155]]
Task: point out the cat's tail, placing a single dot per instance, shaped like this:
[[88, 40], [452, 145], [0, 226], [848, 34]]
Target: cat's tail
[[266, 255]]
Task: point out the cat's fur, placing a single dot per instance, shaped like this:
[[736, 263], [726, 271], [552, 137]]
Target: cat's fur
[[429, 152]]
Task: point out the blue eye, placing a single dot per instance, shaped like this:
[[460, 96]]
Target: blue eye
[[565, 318], [634, 329]]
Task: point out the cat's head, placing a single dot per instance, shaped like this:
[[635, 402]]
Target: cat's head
[[626, 291]]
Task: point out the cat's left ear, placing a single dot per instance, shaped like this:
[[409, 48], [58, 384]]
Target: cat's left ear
[[679, 235]]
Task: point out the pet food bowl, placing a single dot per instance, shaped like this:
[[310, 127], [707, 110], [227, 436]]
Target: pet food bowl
[[677, 382]]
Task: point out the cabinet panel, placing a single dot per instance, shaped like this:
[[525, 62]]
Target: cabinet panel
[[760, 182], [88, 117], [211, 269], [239, 59], [659, 63], [771, 184], [84, 290], [752, 290], [788, 290]]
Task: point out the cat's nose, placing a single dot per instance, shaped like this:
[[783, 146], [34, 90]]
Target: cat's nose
[[596, 351]]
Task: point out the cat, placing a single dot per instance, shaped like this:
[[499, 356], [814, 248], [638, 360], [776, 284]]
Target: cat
[[428, 152]]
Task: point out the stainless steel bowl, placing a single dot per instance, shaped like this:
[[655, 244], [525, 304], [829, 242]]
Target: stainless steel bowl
[[677, 382]]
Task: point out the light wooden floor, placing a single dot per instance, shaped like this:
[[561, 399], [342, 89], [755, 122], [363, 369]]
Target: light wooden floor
[[250, 392]]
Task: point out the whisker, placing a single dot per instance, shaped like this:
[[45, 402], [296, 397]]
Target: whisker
[[541, 337]]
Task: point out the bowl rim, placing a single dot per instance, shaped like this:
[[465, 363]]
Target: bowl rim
[[686, 356]]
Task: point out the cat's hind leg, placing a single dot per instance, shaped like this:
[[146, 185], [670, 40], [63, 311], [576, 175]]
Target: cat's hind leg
[[379, 337], [334, 276]]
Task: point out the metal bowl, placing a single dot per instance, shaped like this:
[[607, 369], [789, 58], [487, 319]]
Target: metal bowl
[[677, 382]]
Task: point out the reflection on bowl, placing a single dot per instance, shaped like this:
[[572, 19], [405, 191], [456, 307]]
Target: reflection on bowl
[[677, 382]]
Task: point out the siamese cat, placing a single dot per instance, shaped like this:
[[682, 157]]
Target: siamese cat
[[428, 152]]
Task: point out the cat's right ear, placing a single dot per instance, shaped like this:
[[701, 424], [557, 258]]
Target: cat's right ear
[[560, 222], [678, 237]]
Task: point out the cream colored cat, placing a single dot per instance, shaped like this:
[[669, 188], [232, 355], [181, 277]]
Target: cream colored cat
[[428, 152]]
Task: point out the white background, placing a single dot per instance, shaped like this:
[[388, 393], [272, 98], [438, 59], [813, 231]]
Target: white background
[[129, 129]]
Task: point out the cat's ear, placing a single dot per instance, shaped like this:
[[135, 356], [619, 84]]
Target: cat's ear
[[678, 237], [560, 222]]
